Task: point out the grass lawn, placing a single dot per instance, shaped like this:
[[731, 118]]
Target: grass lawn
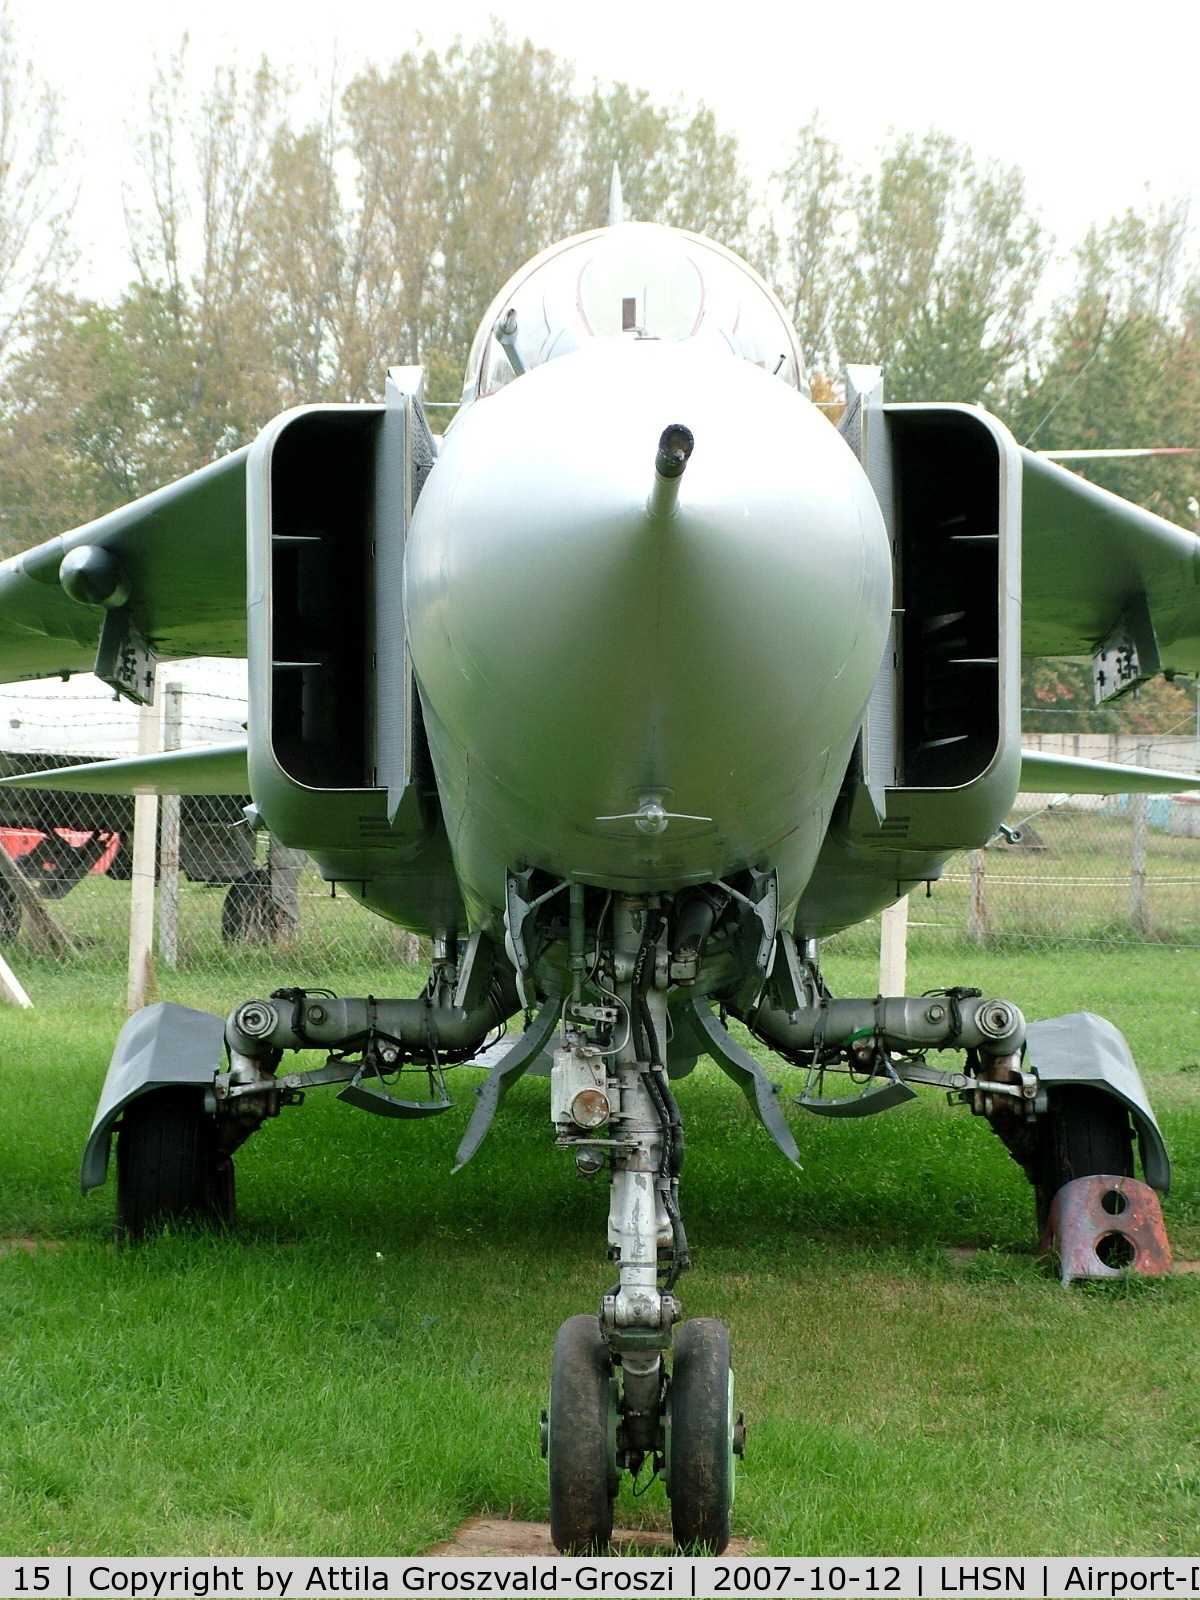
[[359, 1366]]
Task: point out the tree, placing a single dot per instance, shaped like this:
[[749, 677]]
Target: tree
[[276, 264], [460, 176], [308, 271], [203, 159], [677, 166], [815, 203], [97, 411], [103, 403], [925, 266], [48, 481], [35, 198], [1122, 363], [1057, 697], [467, 164], [942, 265]]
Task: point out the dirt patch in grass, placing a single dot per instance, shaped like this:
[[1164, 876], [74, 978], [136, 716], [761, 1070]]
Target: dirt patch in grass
[[961, 1254], [31, 1246], [495, 1536]]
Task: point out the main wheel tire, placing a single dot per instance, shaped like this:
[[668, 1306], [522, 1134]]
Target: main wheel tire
[[700, 1469], [168, 1166], [248, 913], [580, 1440], [1084, 1131]]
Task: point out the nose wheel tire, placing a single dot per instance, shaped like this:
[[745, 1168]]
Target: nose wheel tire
[[701, 1438], [581, 1439]]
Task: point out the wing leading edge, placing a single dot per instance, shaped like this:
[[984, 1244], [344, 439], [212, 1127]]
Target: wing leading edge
[[221, 769], [1092, 563], [204, 769], [181, 556], [1043, 773]]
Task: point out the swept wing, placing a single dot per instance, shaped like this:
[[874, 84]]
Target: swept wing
[[181, 553], [1093, 565], [204, 769], [221, 769]]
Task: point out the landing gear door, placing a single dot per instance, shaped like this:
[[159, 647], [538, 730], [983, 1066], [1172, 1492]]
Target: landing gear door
[[865, 430], [405, 455]]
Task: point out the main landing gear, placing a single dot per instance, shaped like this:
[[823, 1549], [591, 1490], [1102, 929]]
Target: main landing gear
[[634, 1388], [614, 1405]]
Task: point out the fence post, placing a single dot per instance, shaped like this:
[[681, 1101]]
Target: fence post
[[977, 916], [1139, 912], [893, 948], [11, 988], [141, 902], [168, 842]]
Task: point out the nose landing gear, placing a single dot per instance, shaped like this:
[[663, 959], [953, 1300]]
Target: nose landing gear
[[588, 1437], [613, 1407], [704, 1434], [580, 1439]]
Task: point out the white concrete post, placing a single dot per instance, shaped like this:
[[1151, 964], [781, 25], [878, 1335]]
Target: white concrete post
[[1139, 911], [141, 906], [893, 948], [977, 915], [168, 837], [11, 988]]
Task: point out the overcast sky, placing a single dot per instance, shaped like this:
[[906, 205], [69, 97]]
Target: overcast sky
[[1094, 102]]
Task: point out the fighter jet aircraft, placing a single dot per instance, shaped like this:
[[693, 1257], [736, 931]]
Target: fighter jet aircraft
[[627, 692]]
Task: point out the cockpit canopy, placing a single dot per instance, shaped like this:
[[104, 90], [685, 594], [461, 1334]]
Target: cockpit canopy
[[636, 280]]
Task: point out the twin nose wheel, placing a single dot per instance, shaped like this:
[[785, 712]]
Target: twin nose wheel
[[698, 1430]]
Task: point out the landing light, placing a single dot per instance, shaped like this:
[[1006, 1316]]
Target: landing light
[[652, 816]]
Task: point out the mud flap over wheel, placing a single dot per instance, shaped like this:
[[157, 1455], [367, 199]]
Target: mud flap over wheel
[[581, 1439], [1079, 1054], [702, 1437], [168, 1165]]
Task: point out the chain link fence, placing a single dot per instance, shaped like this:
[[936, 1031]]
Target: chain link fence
[[1099, 869], [1125, 869], [1104, 871], [239, 908], [231, 905], [224, 894]]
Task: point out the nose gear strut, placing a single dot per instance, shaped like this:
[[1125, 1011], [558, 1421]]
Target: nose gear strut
[[613, 1406]]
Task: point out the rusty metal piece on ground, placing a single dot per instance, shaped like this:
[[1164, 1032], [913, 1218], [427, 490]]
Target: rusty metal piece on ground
[[1106, 1227]]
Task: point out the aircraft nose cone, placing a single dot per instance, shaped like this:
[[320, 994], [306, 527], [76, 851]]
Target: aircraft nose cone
[[664, 670]]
